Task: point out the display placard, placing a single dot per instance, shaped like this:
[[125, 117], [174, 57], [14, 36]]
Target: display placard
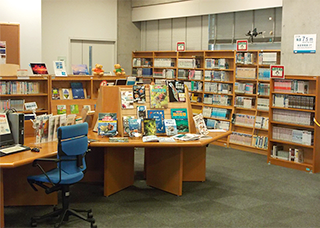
[[277, 71], [242, 45], [181, 46], [304, 43]]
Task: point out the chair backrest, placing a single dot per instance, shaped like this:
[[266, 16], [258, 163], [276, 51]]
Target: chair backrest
[[73, 144]]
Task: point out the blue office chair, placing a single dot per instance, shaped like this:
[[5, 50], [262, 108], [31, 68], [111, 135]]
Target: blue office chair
[[72, 148]]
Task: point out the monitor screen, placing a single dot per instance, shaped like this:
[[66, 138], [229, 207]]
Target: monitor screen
[[121, 82], [6, 137]]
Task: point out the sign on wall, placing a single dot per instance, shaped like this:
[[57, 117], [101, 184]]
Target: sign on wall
[[242, 45], [181, 46], [277, 71], [304, 43]]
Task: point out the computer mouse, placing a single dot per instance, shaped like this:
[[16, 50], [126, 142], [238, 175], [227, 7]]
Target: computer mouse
[[35, 149]]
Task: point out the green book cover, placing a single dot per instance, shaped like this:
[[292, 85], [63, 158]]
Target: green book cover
[[74, 109], [149, 126], [61, 109]]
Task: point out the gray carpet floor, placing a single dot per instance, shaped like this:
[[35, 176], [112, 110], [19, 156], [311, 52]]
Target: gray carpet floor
[[241, 190]]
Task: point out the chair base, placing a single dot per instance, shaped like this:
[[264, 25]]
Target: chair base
[[63, 215]]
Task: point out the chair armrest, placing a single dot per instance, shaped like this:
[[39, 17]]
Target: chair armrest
[[35, 162]]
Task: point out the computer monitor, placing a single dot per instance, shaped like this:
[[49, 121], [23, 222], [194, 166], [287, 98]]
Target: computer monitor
[[6, 137], [121, 81]]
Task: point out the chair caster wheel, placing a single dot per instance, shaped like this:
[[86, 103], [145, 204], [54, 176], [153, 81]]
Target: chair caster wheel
[[90, 215], [93, 225]]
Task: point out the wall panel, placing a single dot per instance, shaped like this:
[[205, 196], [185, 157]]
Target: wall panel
[[165, 35], [194, 35], [178, 31]]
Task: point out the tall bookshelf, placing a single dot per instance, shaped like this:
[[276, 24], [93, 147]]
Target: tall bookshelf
[[294, 137]]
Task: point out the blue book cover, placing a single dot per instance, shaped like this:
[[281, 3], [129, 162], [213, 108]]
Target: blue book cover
[[135, 129], [80, 69], [170, 127], [77, 90], [107, 128], [158, 115]]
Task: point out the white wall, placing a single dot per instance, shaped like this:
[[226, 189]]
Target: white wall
[[84, 19], [28, 15], [198, 8]]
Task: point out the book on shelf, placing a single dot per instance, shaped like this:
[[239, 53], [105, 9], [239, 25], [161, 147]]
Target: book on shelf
[[127, 99], [150, 138], [181, 117], [159, 96], [141, 111], [275, 149], [61, 109], [263, 104], [170, 127], [78, 91], [176, 91], [66, 93], [147, 72], [245, 102], [63, 120], [290, 116], [262, 122], [71, 119], [74, 109], [59, 68], [125, 123], [107, 128], [149, 126], [269, 58], [246, 73], [139, 93], [158, 115], [186, 63], [136, 62], [264, 74], [80, 69], [55, 94], [52, 119], [244, 120], [39, 68], [200, 124], [118, 139], [163, 62], [135, 129]]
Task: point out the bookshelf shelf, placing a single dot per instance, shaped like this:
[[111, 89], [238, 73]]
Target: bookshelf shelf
[[239, 125], [215, 118], [25, 95], [306, 157]]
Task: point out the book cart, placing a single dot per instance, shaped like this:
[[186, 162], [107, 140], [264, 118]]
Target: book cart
[[293, 135]]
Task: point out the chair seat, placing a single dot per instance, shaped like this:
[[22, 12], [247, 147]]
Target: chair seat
[[54, 177]]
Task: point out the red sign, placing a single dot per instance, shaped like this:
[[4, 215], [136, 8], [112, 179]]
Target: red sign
[[181, 46], [277, 71], [242, 45]]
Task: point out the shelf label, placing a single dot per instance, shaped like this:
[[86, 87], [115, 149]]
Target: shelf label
[[30, 106], [181, 46], [304, 43], [242, 45], [23, 78], [277, 71]]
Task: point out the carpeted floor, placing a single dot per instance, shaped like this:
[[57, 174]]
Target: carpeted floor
[[241, 190]]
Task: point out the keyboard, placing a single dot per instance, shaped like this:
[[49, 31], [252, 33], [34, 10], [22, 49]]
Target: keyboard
[[12, 149]]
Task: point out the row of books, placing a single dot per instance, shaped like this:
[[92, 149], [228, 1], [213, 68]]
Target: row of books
[[164, 62], [17, 104], [245, 58], [304, 137], [190, 74], [264, 73], [240, 138], [164, 73], [214, 87], [293, 101], [189, 63], [267, 58], [246, 73], [74, 108], [244, 87], [291, 86], [46, 125], [262, 122], [216, 64], [215, 99], [263, 104], [264, 89], [142, 72], [295, 117], [244, 120], [244, 102], [260, 141], [217, 124], [19, 87], [214, 75], [292, 154], [194, 86], [219, 113], [141, 62]]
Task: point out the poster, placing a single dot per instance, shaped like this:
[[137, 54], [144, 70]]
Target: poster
[[3, 52], [304, 43]]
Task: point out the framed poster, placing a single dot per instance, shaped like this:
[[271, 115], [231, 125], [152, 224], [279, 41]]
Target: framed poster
[[304, 43], [242, 45], [181, 46], [277, 71]]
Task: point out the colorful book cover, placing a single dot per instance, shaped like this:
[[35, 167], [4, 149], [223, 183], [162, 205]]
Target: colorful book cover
[[63, 120], [135, 128], [181, 90], [39, 68], [181, 117], [55, 94], [125, 123], [80, 69], [170, 127], [107, 116], [71, 119], [74, 109], [159, 96], [45, 128], [61, 109], [107, 128], [77, 90], [200, 124], [173, 93], [139, 94], [142, 111], [66, 93], [158, 115], [59, 68], [149, 126], [51, 128], [127, 99]]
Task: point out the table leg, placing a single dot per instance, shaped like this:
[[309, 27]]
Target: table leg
[[118, 169], [194, 163], [164, 169], [1, 200]]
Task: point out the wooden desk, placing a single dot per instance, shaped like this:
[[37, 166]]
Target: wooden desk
[[167, 165], [14, 170]]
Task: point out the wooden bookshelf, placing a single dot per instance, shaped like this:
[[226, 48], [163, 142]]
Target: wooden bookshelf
[[292, 119]]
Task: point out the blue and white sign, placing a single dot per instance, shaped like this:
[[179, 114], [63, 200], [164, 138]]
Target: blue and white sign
[[305, 43]]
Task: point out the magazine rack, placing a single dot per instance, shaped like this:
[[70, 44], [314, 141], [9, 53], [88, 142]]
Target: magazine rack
[[109, 100]]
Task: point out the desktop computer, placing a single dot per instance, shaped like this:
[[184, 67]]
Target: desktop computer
[[16, 121]]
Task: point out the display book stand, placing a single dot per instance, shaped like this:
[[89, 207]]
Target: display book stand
[[293, 119], [120, 158]]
